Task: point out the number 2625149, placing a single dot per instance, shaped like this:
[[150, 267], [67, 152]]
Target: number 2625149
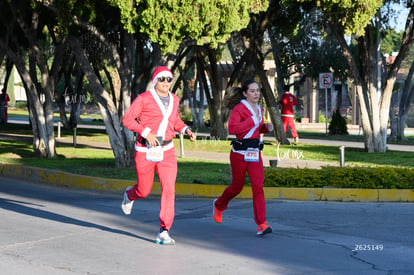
[[368, 247]]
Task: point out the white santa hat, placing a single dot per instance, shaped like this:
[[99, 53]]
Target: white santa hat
[[160, 72]]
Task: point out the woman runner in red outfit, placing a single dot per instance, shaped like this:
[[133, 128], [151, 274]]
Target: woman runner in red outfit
[[246, 122]]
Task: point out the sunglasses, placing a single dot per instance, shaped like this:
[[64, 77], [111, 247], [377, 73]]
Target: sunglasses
[[163, 78]]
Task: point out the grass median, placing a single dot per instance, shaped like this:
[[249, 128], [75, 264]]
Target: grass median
[[91, 158]]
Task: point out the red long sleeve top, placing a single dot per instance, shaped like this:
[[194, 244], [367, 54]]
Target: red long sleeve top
[[147, 115]]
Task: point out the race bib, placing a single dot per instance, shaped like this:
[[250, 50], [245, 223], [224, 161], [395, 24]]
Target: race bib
[[252, 155], [155, 154]]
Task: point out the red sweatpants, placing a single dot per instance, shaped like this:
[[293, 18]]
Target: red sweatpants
[[289, 121], [167, 173], [255, 171]]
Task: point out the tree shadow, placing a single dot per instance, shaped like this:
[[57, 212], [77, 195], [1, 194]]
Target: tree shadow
[[31, 210]]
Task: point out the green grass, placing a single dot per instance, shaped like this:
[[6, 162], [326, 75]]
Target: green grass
[[316, 152], [100, 163], [95, 160]]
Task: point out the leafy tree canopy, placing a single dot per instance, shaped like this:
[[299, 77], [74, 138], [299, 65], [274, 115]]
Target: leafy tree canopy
[[352, 15], [391, 41], [169, 22]]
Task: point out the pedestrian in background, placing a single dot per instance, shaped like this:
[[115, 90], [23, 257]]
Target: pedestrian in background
[[4, 105], [246, 122], [153, 115], [288, 116]]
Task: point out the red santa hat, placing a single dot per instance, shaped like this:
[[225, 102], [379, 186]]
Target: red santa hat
[[160, 72]]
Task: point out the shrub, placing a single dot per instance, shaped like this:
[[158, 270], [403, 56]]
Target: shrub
[[321, 117], [341, 177], [338, 125]]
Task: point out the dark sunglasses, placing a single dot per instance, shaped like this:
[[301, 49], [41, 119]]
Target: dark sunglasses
[[163, 78]]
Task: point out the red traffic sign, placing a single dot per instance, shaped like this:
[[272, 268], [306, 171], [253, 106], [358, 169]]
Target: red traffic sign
[[325, 80]]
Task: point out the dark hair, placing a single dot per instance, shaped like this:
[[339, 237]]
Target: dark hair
[[234, 95]]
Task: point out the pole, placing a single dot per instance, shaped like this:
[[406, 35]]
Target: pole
[[181, 145], [326, 111], [342, 156], [59, 125]]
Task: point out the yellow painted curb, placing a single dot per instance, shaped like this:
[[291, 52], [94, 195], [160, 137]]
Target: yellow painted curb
[[396, 195], [69, 180]]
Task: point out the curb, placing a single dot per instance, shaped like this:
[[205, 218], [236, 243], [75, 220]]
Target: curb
[[64, 179]]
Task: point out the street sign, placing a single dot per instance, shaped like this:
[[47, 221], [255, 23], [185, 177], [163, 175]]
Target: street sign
[[325, 80]]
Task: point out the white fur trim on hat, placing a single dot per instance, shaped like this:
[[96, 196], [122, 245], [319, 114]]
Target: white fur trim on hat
[[161, 73]]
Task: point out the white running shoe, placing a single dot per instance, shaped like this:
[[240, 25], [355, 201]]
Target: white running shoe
[[164, 238], [126, 204]]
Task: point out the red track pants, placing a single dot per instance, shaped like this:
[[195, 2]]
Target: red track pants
[[256, 173], [167, 173], [289, 121]]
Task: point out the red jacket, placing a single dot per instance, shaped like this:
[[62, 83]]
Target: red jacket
[[147, 115], [288, 101], [243, 122]]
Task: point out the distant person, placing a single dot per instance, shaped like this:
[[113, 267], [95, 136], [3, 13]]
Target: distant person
[[246, 122], [153, 115], [288, 115], [4, 104]]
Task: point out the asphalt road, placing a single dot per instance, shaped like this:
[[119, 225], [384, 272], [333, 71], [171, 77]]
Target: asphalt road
[[51, 230]]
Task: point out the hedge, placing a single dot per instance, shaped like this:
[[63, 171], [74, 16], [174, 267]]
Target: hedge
[[341, 177]]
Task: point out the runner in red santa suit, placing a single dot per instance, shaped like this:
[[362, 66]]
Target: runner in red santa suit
[[246, 122], [153, 115], [6, 105], [4, 100], [288, 101]]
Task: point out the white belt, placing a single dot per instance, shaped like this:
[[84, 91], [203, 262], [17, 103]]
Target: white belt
[[241, 152], [145, 149]]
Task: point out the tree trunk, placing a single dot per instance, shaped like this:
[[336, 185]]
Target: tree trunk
[[218, 118], [118, 138], [39, 92], [279, 71], [373, 102], [271, 103], [39, 114], [404, 100], [401, 126]]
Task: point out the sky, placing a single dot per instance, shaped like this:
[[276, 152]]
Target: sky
[[399, 24]]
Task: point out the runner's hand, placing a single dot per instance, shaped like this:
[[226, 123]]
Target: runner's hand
[[152, 140], [191, 135]]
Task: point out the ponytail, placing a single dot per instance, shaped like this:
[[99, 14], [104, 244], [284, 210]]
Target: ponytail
[[234, 95]]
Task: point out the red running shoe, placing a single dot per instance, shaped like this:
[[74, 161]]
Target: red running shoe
[[217, 214], [264, 229]]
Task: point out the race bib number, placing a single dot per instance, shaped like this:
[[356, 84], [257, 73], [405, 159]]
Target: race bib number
[[155, 154], [252, 155]]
